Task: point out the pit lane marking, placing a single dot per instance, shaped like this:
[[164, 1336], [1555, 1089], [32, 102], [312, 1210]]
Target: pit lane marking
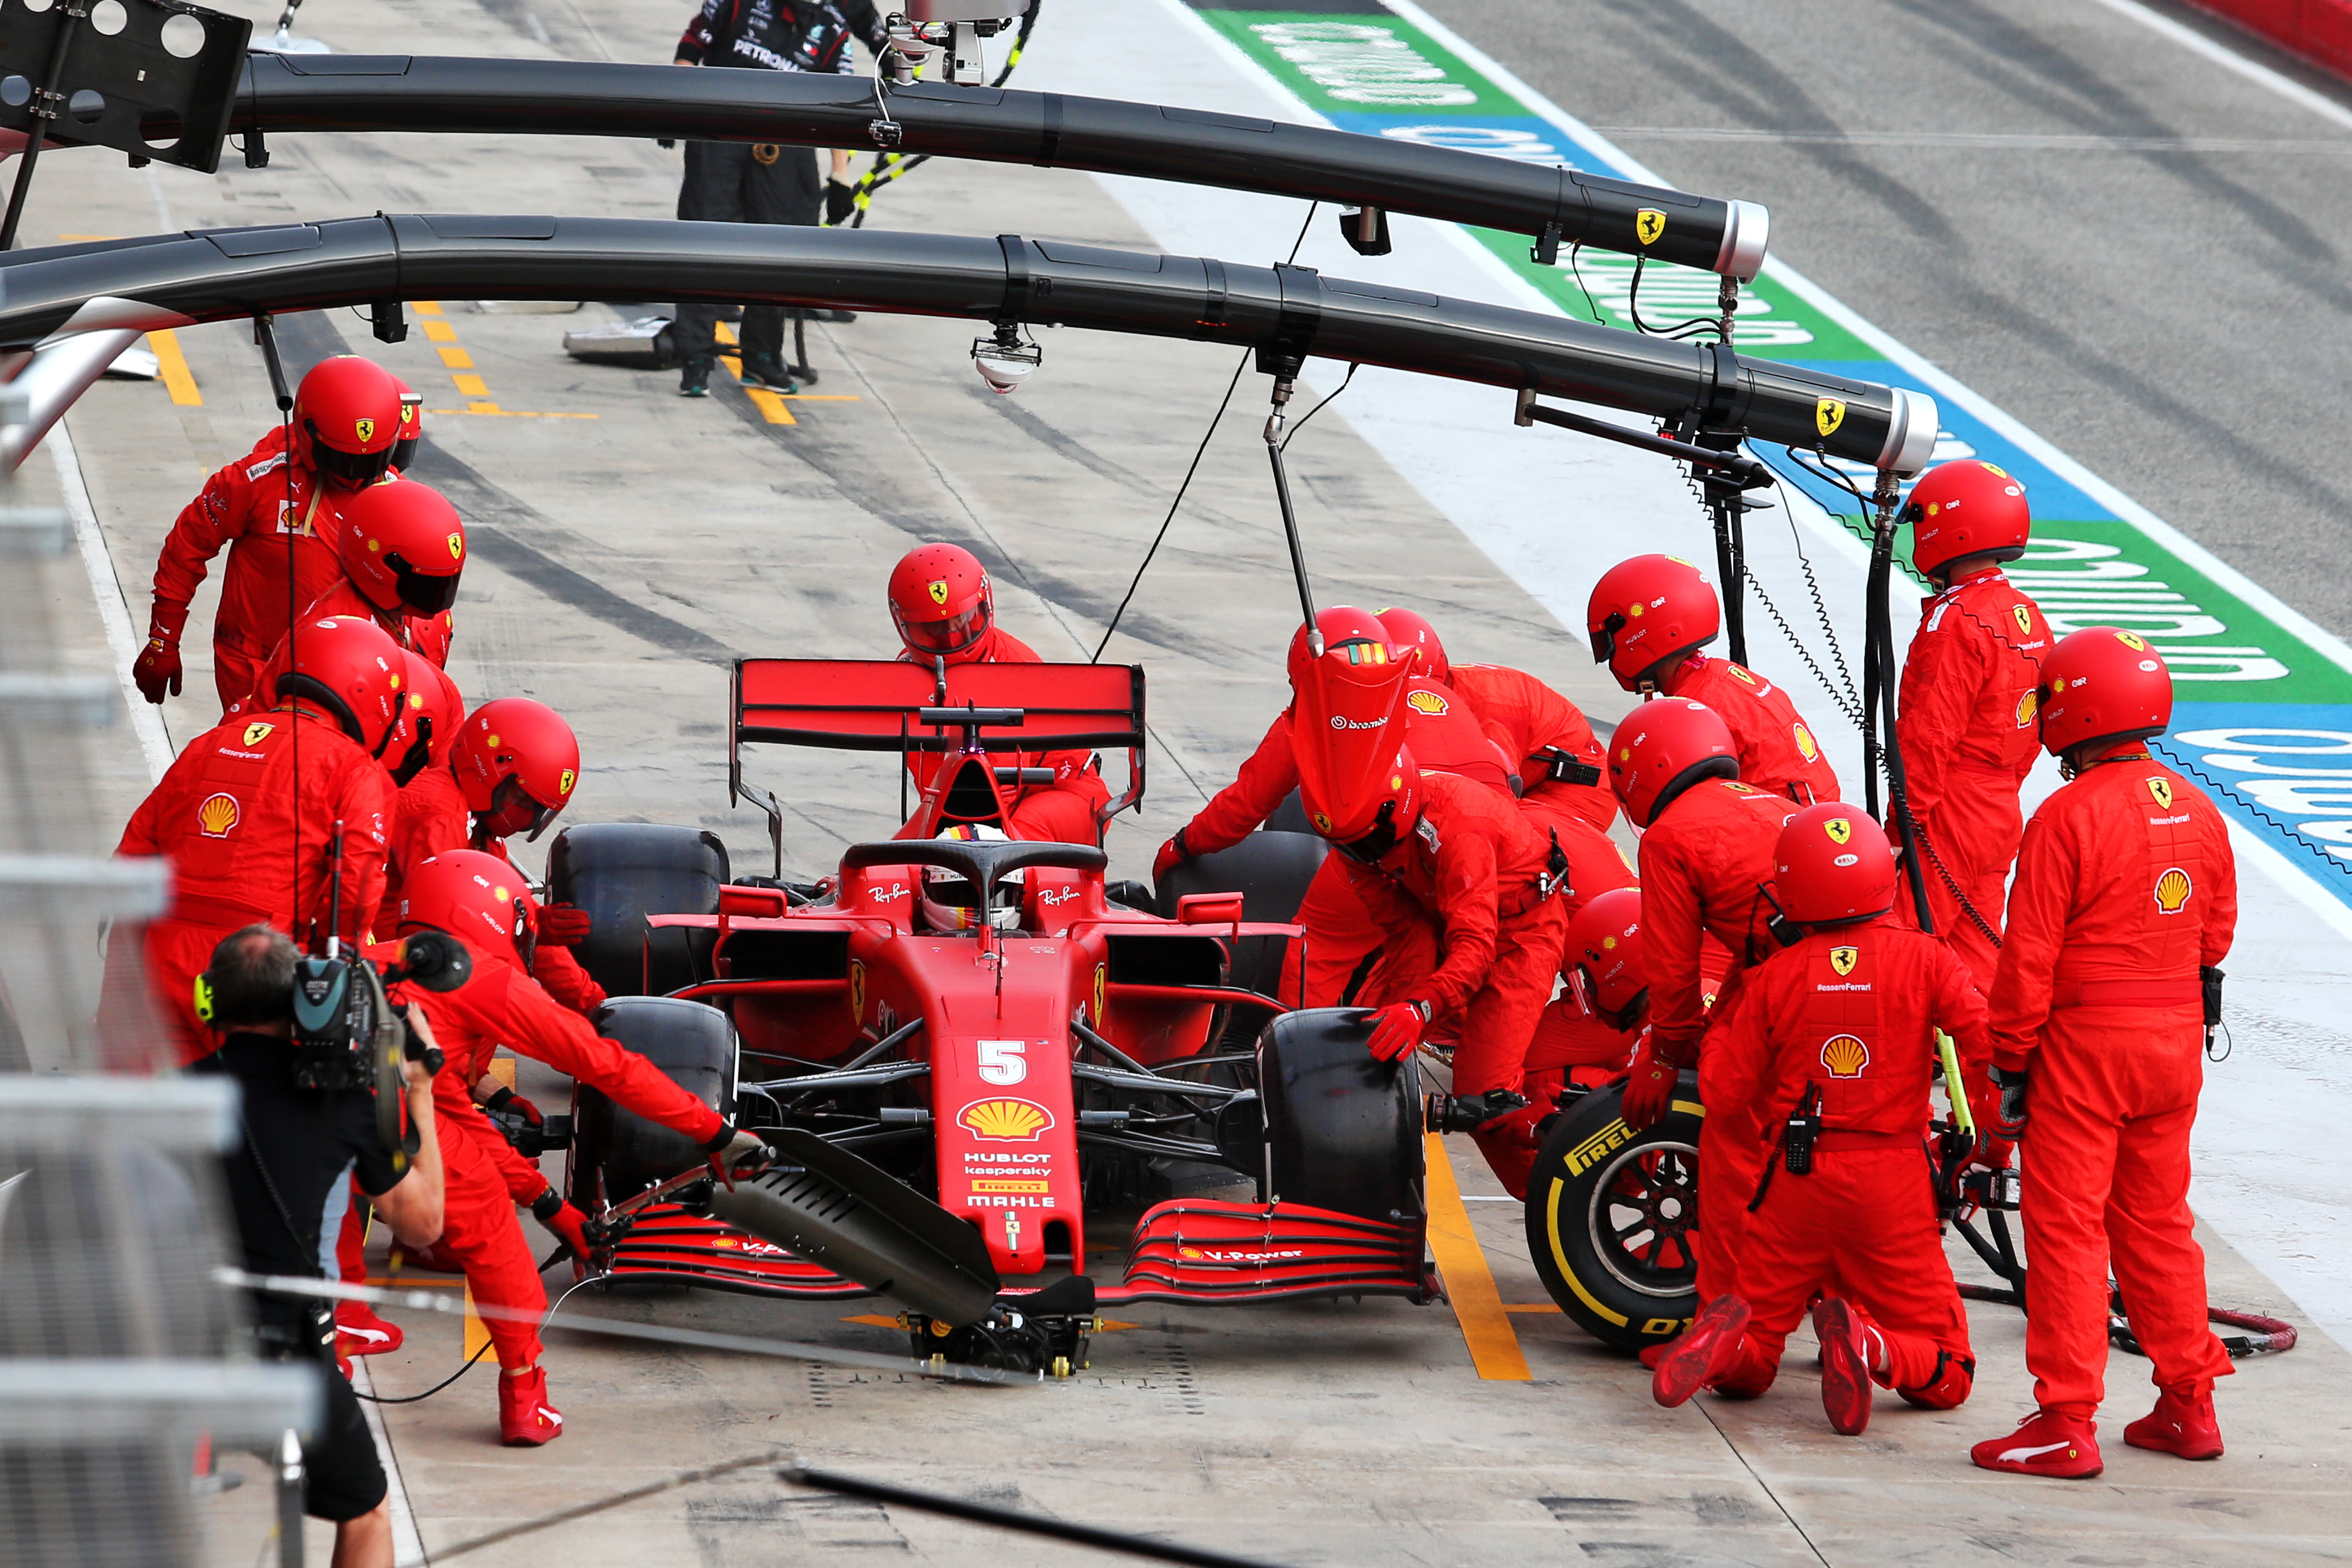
[[472, 387], [770, 404], [172, 365], [1469, 1283]]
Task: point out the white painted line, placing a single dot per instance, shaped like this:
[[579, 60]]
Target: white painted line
[[2228, 59], [408, 1545], [105, 587]]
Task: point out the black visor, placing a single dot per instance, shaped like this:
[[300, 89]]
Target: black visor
[[423, 593], [357, 469], [1369, 849], [1604, 641]]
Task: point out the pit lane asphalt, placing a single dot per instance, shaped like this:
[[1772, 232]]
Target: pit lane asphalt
[[1297, 1435], [2137, 252]]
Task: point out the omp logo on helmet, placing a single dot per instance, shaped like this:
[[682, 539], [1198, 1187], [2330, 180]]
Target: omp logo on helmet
[[1828, 415], [2029, 708], [1598, 1147], [1428, 702], [564, 784], [257, 733], [2172, 891], [1005, 1121], [1839, 829], [2160, 790], [216, 815], [1843, 958], [2024, 617], [1844, 1056], [1649, 223], [940, 592], [2131, 642], [1807, 746], [364, 429], [457, 547]]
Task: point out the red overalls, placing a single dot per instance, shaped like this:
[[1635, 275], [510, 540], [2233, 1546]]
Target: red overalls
[[1778, 750], [1066, 811]]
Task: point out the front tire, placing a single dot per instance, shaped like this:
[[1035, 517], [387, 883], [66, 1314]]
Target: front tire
[[1613, 1218], [1343, 1132]]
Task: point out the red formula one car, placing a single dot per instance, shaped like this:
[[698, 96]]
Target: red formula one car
[[987, 1074]]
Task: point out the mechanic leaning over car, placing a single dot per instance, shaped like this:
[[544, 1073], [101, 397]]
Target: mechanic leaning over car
[[1966, 720], [275, 515], [480, 899], [1707, 846], [946, 615], [246, 815], [733, 182], [2126, 897], [1649, 617], [282, 1181], [1443, 735], [1833, 1038]]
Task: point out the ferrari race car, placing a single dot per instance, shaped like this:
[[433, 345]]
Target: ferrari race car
[[968, 1050]]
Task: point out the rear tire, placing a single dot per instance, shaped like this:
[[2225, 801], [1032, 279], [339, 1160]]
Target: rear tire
[[620, 872], [694, 1045], [1343, 1132], [1270, 870], [1613, 1216]]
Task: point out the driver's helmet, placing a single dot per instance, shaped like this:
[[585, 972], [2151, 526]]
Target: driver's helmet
[[951, 903]]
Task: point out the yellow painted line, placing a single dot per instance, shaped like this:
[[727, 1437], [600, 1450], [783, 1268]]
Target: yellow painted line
[[492, 408], [725, 330], [771, 406], [478, 1333], [440, 331], [502, 1069], [425, 307], [821, 397], [1469, 1283], [456, 358], [471, 386], [177, 379]]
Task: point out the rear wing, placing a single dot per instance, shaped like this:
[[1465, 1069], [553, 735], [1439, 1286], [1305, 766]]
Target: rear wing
[[879, 705]]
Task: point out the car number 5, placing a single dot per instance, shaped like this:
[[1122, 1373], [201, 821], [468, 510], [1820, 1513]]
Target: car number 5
[[1002, 1062]]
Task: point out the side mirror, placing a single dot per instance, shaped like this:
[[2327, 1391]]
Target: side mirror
[[752, 903], [1208, 910]]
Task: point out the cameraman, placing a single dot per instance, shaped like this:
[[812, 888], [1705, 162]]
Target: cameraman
[[297, 1144]]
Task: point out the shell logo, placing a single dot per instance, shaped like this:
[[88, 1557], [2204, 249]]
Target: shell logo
[[1428, 702], [1806, 745], [1608, 945], [216, 815], [2029, 709], [1190, 1253], [1844, 1056], [2172, 891], [1635, 610], [1005, 1121]]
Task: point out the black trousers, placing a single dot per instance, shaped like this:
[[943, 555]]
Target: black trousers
[[733, 182]]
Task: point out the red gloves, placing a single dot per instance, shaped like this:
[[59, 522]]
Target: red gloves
[[562, 925], [157, 668], [1649, 1091], [1396, 1028], [1171, 855], [568, 1223], [508, 1099]]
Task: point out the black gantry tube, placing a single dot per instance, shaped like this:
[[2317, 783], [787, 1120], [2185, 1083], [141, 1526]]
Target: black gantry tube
[[283, 94], [174, 279]]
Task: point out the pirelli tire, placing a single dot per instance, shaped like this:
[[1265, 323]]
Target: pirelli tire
[[1612, 1218]]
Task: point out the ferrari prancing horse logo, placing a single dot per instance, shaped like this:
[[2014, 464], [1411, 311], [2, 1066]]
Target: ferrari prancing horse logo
[[2024, 618], [1828, 415], [1839, 829], [256, 734], [1843, 960], [1649, 223], [939, 592], [2161, 789], [365, 428]]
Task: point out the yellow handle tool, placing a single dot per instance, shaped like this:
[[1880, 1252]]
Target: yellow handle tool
[[1962, 1118]]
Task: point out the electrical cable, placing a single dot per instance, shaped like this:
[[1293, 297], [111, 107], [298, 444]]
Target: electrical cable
[[889, 165], [468, 1366], [1353, 366], [1198, 453], [1634, 310]]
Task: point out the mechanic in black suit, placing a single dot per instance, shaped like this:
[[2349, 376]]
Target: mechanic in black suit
[[731, 182]]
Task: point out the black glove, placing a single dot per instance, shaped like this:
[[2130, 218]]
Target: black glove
[[1469, 1112], [2009, 1113], [840, 202]]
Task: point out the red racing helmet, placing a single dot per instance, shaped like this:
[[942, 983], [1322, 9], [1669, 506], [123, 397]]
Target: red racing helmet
[[412, 427], [1359, 632], [429, 718], [1966, 508], [404, 545], [346, 418], [1664, 747], [1347, 722], [2102, 684], [940, 599], [1379, 816], [1410, 629], [1647, 610], [477, 898], [1833, 867], [1604, 953], [516, 760], [351, 668]]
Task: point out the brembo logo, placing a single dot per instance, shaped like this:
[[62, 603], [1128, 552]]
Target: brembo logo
[[1341, 722]]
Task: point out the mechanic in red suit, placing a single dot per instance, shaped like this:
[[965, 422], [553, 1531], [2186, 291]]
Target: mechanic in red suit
[[1589, 1031], [1966, 721], [273, 516], [1553, 750], [402, 548], [1649, 617], [2126, 888], [246, 815], [1707, 850], [478, 898], [1445, 737], [946, 613], [1839, 1030]]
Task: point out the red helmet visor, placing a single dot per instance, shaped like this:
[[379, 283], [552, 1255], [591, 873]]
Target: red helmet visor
[[954, 634]]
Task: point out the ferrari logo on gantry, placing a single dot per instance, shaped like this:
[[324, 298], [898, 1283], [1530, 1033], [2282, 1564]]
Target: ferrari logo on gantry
[[1648, 225], [1828, 415]]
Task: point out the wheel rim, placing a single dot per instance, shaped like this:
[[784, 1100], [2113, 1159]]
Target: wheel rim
[[1644, 1216]]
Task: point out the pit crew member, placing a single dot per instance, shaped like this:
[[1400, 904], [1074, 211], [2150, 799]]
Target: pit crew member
[[1835, 1037], [2126, 898], [402, 548]]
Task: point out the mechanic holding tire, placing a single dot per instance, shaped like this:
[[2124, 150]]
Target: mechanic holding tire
[[730, 182], [1835, 1037], [277, 512], [2126, 898]]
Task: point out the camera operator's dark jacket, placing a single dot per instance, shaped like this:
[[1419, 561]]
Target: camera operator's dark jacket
[[778, 35]]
